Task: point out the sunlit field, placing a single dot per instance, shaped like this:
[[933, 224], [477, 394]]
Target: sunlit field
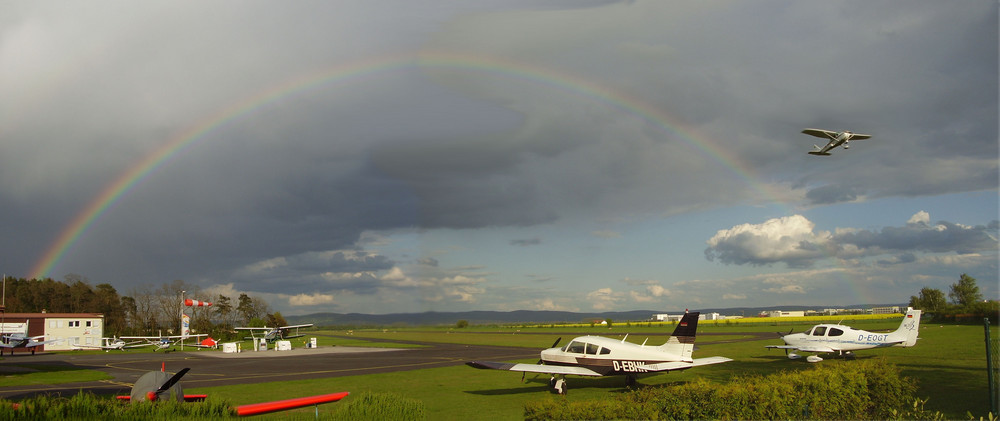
[[948, 366]]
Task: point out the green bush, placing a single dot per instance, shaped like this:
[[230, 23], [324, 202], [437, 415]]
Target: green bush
[[871, 389]]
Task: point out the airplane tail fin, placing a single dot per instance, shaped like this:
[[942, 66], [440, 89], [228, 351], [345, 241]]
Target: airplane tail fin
[[909, 327], [681, 342]]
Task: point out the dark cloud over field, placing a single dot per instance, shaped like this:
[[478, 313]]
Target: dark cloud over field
[[521, 116]]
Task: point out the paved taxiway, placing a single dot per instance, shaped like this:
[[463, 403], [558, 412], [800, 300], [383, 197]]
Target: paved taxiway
[[214, 368]]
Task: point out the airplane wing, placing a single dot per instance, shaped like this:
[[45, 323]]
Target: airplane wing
[[534, 368], [826, 134], [857, 136], [32, 343], [680, 365], [296, 326]]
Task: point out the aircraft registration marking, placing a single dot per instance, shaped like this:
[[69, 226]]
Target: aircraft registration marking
[[871, 337], [628, 366]]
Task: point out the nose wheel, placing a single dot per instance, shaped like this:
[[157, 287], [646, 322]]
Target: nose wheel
[[558, 385]]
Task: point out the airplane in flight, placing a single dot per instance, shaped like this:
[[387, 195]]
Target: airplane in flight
[[597, 356], [272, 334], [20, 340], [835, 139], [166, 342], [844, 340]]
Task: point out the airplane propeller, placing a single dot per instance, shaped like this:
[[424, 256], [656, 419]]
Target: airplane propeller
[[554, 344], [155, 385], [173, 380], [780, 335]]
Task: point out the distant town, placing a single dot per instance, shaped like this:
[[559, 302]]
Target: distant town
[[667, 317]]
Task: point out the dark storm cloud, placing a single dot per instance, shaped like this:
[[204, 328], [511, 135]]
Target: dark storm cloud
[[526, 242], [86, 93], [832, 193]]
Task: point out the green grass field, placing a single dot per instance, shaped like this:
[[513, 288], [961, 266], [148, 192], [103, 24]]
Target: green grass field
[[948, 365]]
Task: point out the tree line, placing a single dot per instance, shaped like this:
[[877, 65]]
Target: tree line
[[967, 302], [144, 311]]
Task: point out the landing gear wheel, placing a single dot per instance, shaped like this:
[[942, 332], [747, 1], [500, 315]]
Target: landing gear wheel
[[560, 386], [552, 382], [630, 382]]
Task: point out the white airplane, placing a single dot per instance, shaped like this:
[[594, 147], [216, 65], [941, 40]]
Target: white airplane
[[20, 340], [842, 339], [274, 333], [108, 344], [597, 356], [166, 342], [835, 139]]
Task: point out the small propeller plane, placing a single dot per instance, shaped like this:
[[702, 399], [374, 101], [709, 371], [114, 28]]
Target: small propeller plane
[[155, 386], [166, 342], [274, 333], [597, 356], [20, 340], [835, 139], [108, 344], [844, 340]]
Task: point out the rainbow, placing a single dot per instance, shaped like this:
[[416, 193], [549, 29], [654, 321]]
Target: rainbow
[[186, 139]]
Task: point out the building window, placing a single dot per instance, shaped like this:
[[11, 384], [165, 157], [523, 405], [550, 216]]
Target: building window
[[89, 323]]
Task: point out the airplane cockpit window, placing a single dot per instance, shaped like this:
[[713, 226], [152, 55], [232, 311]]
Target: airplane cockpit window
[[605, 351], [819, 331], [835, 332], [592, 349], [575, 347]]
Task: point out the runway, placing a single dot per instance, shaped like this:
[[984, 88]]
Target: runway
[[214, 368]]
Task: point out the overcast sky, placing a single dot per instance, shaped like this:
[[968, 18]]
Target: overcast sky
[[381, 157]]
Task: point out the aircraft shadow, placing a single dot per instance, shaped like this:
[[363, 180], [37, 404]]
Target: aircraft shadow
[[614, 384]]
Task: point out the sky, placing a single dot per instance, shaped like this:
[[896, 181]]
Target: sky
[[399, 156]]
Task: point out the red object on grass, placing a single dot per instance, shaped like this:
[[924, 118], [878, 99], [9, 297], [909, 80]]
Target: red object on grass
[[265, 407]]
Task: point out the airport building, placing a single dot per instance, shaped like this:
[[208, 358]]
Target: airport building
[[72, 328]]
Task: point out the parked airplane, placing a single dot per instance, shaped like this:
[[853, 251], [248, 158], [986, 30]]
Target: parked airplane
[[836, 139], [108, 344], [597, 356], [167, 342], [274, 333], [20, 340], [825, 338], [160, 385]]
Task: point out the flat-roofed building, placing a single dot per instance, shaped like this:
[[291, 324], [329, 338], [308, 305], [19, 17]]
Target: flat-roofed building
[[72, 328]]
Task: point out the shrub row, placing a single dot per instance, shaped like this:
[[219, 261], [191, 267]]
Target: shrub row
[[87, 406], [870, 389]]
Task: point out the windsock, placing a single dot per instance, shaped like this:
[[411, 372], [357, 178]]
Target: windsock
[[195, 303]]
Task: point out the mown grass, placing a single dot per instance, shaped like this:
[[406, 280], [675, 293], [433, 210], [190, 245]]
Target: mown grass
[[948, 366], [30, 374]]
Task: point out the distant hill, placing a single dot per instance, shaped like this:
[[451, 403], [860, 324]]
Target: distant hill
[[524, 316]]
